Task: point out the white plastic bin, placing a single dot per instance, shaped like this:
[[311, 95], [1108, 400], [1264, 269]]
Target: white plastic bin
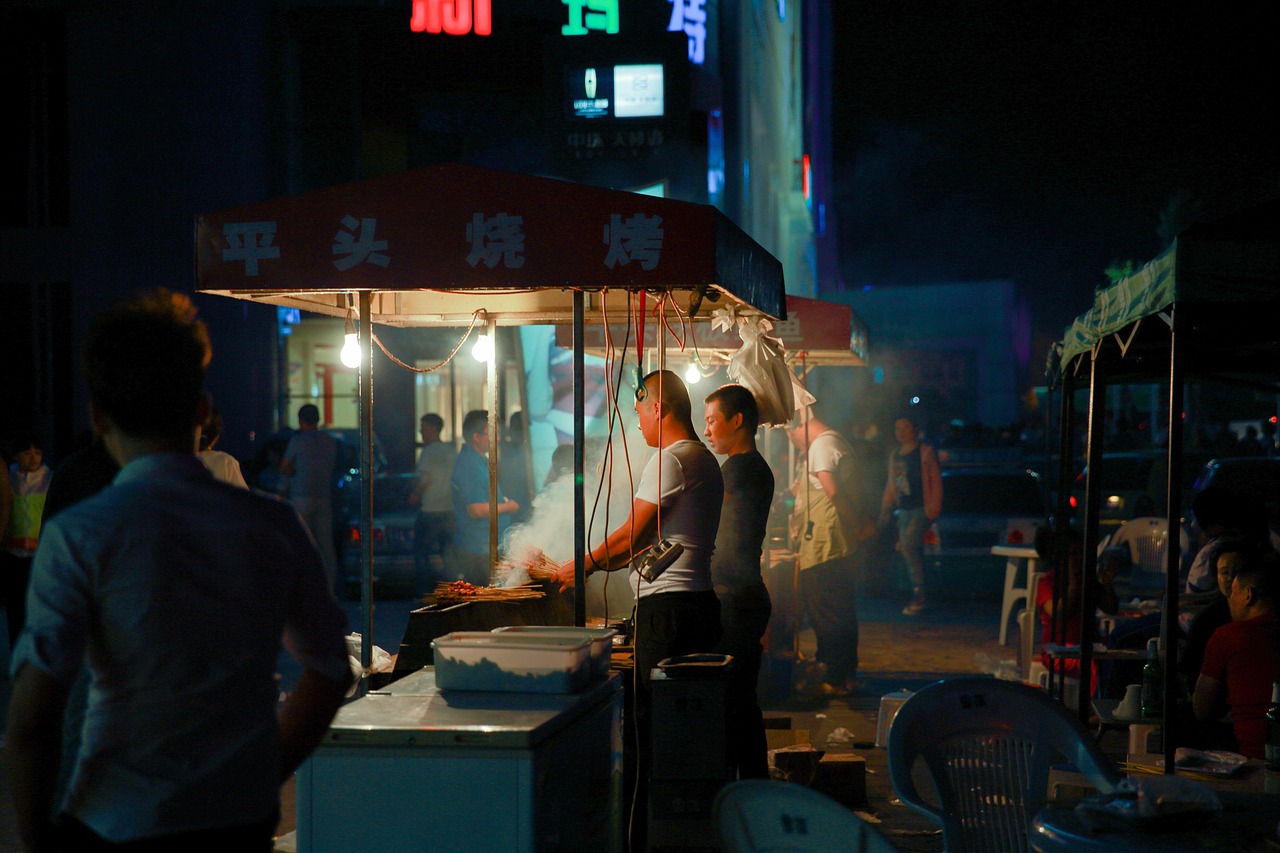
[[601, 641], [513, 663]]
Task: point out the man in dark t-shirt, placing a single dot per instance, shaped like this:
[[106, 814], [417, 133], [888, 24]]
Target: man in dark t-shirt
[[731, 421]]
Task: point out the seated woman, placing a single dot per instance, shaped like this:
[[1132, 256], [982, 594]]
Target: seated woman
[[1067, 549], [1227, 558]]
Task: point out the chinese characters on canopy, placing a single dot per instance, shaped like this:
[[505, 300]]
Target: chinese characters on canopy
[[494, 241]]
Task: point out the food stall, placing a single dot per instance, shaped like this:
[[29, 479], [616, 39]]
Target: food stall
[[457, 245], [1205, 310], [462, 246]]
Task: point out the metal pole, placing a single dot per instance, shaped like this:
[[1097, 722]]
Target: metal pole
[[491, 329], [366, 483], [1173, 548], [1062, 512], [579, 497], [1092, 499]]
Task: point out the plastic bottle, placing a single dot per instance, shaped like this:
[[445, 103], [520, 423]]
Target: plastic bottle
[[1153, 681], [1273, 729]]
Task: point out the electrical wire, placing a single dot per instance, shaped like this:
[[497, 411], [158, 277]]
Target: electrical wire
[[475, 318]]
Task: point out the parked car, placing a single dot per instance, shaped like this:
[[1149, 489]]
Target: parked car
[[983, 507], [1134, 484], [392, 530]]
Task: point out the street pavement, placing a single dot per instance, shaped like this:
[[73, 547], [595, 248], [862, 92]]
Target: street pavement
[[897, 653]]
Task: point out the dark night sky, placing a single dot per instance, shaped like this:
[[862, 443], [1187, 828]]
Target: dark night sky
[[1040, 141]]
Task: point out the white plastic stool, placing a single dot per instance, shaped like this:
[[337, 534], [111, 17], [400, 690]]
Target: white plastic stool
[[1144, 738], [1012, 593]]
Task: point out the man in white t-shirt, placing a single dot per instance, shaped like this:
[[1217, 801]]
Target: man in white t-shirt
[[433, 528], [679, 500], [832, 527]]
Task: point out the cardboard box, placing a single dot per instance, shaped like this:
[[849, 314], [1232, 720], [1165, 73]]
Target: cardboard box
[[843, 777], [779, 738]]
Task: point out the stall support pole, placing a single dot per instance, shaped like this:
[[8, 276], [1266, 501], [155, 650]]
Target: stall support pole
[[491, 375], [1089, 561], [579, 498], [366, 484], [1173, 550]]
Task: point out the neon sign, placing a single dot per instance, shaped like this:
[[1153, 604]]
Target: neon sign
[[452, 17], [587, 15], [690, 17]]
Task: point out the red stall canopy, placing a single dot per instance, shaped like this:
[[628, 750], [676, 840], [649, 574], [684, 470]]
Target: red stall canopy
[[424, 241]]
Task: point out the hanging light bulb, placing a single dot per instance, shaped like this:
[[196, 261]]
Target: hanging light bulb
[[693, 374], [350, 353], [483, 349]]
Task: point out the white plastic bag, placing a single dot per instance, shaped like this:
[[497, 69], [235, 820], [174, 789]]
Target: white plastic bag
[[760, 366], [379, 661]]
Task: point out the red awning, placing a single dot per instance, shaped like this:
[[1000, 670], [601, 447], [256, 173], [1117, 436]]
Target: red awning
[[820, 332]]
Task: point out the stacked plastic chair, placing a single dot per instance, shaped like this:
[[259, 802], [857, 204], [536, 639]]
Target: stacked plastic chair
[[987, 746]]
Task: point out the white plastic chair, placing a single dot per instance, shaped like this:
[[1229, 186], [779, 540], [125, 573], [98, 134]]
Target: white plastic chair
[[1147, 539], [988, 745], [766, 816]]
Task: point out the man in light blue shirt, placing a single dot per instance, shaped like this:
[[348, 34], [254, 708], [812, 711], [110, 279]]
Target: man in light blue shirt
[[175, 591], [470, 557], [309, 465]]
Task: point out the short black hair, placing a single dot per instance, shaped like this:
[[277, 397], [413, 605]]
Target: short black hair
[[433, 419], [734, 399], [308, 414], [477, 420], [26, 441], [1260, 572], [145, 361], [672, 391]]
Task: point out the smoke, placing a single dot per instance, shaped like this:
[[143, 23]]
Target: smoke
[[608, 485]]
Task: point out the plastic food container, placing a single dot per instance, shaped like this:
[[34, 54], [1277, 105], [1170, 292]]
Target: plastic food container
[[512, 663], [601, 641]]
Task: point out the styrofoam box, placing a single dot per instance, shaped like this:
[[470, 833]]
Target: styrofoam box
[[601, 641], [889, 705], [513, 663]]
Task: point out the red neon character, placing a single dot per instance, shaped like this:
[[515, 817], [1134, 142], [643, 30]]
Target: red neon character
[[454, 17]]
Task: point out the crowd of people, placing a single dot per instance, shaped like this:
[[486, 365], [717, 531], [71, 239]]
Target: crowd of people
[[1228, 635], [126, 726]]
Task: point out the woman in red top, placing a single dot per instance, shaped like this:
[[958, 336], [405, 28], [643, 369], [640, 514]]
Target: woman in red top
[[1050, 545]]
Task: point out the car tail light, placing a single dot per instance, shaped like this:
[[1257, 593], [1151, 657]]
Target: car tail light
[[379, 535], [1073, 501], [1016, 537], [931, 537]]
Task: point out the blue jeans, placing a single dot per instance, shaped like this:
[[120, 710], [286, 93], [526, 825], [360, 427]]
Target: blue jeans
[[913, 524]]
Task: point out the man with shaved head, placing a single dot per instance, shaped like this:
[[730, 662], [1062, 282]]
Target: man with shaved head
[[678, 500]]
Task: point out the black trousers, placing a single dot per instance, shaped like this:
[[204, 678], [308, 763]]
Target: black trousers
[[827, 592], [744, 614]]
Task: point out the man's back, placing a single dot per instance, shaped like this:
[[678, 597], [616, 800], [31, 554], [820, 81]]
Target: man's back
[[180, 587], [435, 466], [313, 454]]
